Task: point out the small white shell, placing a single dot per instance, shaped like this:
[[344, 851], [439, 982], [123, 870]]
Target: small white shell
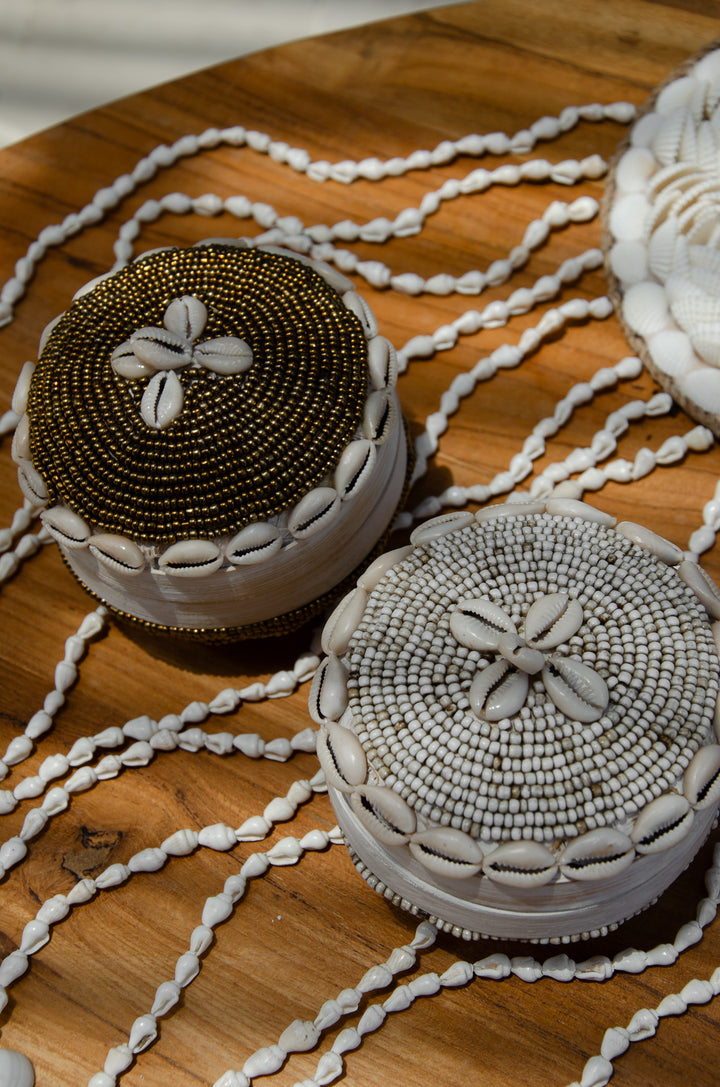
[[666, 551], [440, 526], [126, 364], [573, 507], [22, 388], [446, 851], [515, 651], [20, 448], [662, 824], [520, 864], [120, 554], [191, 558], [355, 468], [701, 781], [342, 757], [552, 620], [381, 416], [576, 689], [479, 624], [162, 400], [599, 854], [498, 691], [32, 484], [66, 527], [313, 512], [357, 305], [226, 355], [509, 509], [343, 622], [15, 1069], [254, 543], [186, 317], [702, 585], [376, 570], [384, 813], [382, 363], [328, 697], [160, 348]]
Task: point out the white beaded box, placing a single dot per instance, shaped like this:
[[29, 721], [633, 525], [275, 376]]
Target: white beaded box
[[214, 438], [518, 720]]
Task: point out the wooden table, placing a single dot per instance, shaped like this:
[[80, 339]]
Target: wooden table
[[304, 933]]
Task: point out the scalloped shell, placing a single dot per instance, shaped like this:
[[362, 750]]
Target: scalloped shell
[[32, 484], [160, 348], [576, 689], [573, 507], [665, 144], [343, 622], [15, 1069], [701, 780], [384, 813], [254, 543], [663, 549], [498, 691], [382, 363], [520, 864], [355, 468], [599, 854], [376, 570], [66, 527], [662, 824], [357, 305], [225, 355], [447, 852], [440, 526], [186, 317], [162, 400], [22, 388], [313, 512], [552, 620], [328, 697], [20, 446], [342, 757], [509, 509], [120, 554], [191, 558], [381, 416], [479, 624], [702, 585]]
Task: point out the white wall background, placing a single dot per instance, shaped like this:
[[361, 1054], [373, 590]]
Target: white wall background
[[61, 57]]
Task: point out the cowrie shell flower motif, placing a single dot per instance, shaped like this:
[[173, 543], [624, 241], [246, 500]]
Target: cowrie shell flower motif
[[501, 688], [158, 352]]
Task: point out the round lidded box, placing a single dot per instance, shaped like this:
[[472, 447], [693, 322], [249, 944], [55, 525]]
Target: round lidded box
[[214, 436], [518, 719]]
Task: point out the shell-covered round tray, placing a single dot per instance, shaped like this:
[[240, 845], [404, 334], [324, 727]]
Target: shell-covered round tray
[[662, 236], [518, 716], [214, 437]]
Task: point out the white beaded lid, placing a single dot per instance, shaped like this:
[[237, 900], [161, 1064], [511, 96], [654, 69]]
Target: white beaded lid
[[518, 719]]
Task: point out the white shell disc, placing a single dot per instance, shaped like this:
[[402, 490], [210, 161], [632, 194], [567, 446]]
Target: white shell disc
[[645, 308], [191, 558]]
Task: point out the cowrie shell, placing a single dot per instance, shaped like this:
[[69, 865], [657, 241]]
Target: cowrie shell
[[520, 864], [20, 447], [162, 400], [226, 355], [186, 317], [702, 585], [381, 416], [384, 813], [552, 620], [343, 622], [479, 624], [447, 852], [126, 364], [599, 854], [663, 549], [254, 543], [15, 1069], [573, 507], [328, 697], [65, 526], [437, 527], [662, 824], [509, 509], [576, 689], [160, 348], [191, 558], [342, 757], [376, 570], [701, 781], [22, 388], [355, 468], [498, 691], [357, 305], [382, 363], [120, 554], [32, 484], [313, 512]]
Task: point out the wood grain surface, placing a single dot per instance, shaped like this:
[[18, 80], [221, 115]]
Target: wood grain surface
[[304, 933]]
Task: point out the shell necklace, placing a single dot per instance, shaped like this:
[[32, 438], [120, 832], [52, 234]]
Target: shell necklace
[[120, 749]]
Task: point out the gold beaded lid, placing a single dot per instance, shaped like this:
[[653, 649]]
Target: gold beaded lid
[[245, 445]]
